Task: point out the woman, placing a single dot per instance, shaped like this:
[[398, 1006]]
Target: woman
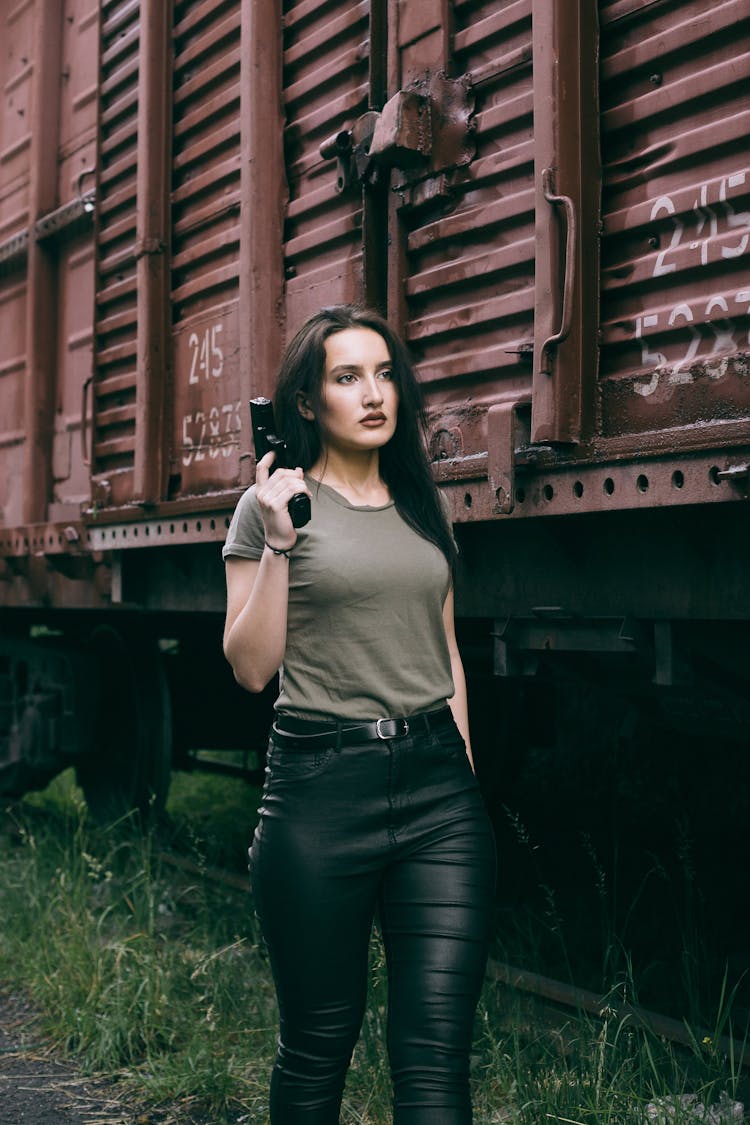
[[370, 804]]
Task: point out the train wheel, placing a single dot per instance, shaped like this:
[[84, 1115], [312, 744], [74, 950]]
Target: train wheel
[[129, 767]]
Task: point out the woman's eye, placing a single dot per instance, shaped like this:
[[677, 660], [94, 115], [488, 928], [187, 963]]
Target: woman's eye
[[386, 373], [346, 378]]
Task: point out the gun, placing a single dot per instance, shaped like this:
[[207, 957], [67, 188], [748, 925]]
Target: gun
[[266, 439]]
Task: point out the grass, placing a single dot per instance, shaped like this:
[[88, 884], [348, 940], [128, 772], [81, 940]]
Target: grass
[[160, 977]]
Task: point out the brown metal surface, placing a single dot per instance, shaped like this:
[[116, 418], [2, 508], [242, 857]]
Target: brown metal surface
[[209, 526], [47, 299], [687, 479], [502, 438], [45, 539], [41, 308], [16, 73], [59, 294], [422, 130], [261, 283], [153, 366], [468, 237], [676, 216], [116, 315], [16, 69], [570, 274], [326, 88], [73, 247], [567, 213], [424, 35], [207, 257], [220, 227]]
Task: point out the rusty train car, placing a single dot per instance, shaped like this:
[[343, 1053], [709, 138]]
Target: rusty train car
[[550, 200]]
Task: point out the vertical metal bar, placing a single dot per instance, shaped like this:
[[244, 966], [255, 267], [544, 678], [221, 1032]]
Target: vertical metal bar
[[425, 37], [92, 461], [566, 142], [154, 364], [264, 196], [420, 40], [375, 196], [375, 225], [396, 307], [41, 325], [393, 59], [378, 58]]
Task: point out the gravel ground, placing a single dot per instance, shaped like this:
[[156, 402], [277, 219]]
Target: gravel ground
[[36, 1088]]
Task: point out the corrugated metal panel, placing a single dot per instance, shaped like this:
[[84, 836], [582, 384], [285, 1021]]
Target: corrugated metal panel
[[71, 484], [16, 68], [325, 90], [205, 244], [115, 322], [470, 252], [77, 161], [12, 373], [676, 218], [78, 99], [568, 205]]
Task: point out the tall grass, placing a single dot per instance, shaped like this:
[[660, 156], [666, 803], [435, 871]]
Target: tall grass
[[161, 978], [140, 971]]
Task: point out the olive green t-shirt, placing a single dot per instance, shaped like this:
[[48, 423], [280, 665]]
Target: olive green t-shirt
[[365, 633]]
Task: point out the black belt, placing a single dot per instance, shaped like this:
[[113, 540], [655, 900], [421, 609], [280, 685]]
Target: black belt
[[312, 731]]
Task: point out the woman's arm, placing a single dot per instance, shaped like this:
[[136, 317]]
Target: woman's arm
[[258, 590], [255, 629], [457, 702]]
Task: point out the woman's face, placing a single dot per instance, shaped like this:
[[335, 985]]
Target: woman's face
[[359, 398]]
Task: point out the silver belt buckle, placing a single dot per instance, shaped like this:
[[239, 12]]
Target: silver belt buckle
[[385, 737]]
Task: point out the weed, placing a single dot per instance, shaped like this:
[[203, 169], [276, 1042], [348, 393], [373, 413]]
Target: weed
[[162, 978]]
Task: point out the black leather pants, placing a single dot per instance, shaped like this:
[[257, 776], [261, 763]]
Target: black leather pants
[[396, 827]]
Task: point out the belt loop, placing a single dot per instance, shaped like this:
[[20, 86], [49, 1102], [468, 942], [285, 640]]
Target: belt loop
[[338, 736]]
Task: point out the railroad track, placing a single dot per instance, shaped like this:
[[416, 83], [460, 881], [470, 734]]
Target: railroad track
[[546, 988]]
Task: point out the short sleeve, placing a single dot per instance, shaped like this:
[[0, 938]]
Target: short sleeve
[[246, 536]]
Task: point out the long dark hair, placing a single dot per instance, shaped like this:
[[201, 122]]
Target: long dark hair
[[404, 466]]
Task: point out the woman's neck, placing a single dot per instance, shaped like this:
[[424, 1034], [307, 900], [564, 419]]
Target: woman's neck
[[357, 478]]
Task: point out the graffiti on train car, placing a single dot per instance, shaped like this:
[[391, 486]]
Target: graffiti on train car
[[722, 334], [711, 321], [704, 213], [206, 356], [212, 433], [208, 414]]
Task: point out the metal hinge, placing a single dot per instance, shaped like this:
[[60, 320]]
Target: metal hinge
[[65, 218], [503, 435], [422, 130]]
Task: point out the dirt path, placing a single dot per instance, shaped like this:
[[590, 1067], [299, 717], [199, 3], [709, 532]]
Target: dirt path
[[38, 1089]]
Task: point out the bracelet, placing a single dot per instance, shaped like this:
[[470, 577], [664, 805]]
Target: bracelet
[[278, 550]]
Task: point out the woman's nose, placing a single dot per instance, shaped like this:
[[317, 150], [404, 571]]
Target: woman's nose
[[373, 391]]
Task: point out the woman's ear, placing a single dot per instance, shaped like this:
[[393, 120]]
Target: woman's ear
[[303, 405]]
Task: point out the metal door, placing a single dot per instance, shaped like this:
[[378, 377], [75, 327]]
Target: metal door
[[334, 74], [676, 222], [220, 223], [115, 314], [487, 143]]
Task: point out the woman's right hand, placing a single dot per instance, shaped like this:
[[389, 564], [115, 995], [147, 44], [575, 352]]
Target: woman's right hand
[[273, 493]]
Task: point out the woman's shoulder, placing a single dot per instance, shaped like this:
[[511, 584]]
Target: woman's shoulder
[[245, 535], [248, 508]]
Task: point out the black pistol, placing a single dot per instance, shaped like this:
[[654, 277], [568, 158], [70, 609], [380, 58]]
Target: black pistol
[[266, 439]]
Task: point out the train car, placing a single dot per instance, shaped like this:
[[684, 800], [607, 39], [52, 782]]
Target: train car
[[551, 201]]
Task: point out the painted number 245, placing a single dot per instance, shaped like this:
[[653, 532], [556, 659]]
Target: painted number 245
[[206, 356]]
